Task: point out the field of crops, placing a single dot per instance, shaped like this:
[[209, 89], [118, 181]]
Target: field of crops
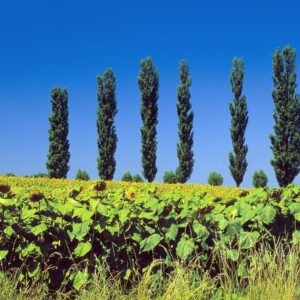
[[63, 231]]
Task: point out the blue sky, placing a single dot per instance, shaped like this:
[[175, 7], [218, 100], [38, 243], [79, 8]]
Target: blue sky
[[67, 43]]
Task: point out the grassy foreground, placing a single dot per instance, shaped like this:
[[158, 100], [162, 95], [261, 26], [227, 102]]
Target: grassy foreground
[[274, 274]]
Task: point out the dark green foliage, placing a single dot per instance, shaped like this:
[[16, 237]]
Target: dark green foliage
[[66, 242], [131, 178], [127, 177], [107, 137], [170, 177], [239, 120], [148, 83], [82, 175], [10, 175], [40, 175], [286, 139], [185, 125], [215, 178], [137, 178], [59, 155], [260, 179]]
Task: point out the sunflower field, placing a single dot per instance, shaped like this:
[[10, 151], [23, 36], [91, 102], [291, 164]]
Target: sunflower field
[[64, 230]]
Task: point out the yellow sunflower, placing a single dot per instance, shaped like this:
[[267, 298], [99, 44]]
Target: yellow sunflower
[[130, 194]]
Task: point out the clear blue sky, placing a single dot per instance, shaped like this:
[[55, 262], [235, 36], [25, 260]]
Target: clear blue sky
[[67, 43]]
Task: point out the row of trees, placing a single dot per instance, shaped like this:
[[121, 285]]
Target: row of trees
[[285, 142]]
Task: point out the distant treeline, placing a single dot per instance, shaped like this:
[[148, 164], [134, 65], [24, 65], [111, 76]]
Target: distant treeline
[[285, 141]]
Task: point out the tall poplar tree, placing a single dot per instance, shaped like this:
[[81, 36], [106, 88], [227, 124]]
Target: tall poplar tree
[[239, 120], [185, 125], [286, 139], [107, 137], [148, 81], [58, 155]]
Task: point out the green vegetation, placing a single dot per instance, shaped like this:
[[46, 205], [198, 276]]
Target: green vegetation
[[131, 178], [39, 175], [215, 178], [107, 137], [170, 177], [185, 125], [134, 240], [127, 177], [82, 175], [85, 226], [286, 138], [285, 142], [148, 81], [10, 175], [239, 120], [271, 274], [137, 178], [59, 155], [260, 179]]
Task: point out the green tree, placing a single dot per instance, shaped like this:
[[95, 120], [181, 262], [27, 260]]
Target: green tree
[[127, 177], [185, 125], [10, 175], [82, 175], [215, 178], [260, 179], [239, 120], [137, 178], [148, 81], [170, 177], [286, 139], [107, 137], [58, 155], [40, 175]]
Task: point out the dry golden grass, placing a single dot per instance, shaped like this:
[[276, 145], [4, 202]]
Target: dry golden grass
[[273, 274]]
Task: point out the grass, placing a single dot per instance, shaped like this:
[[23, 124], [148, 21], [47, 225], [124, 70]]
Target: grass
[[273, 273]]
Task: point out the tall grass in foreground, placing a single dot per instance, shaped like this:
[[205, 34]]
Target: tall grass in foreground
[[271, 274]]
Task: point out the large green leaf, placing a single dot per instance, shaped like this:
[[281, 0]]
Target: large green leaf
[[185, 247], [36, 230], [223, 223], [9, 231], [233, 254], [82, 249], [200, 230], [172, 232], [267, 214], [297, 216], [246, 212], [295, 208], [233, 227], [29, 249], [146, 215], [150, 242], [80, 279], [123, 215], [248, 239], [79, 231], [28, 213], [3, 254], [34, 269], [83, 213], [6, 202]]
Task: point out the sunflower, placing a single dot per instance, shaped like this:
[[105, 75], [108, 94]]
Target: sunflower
[[130, 194], [99, 186], [36, 196], [4, 188]]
